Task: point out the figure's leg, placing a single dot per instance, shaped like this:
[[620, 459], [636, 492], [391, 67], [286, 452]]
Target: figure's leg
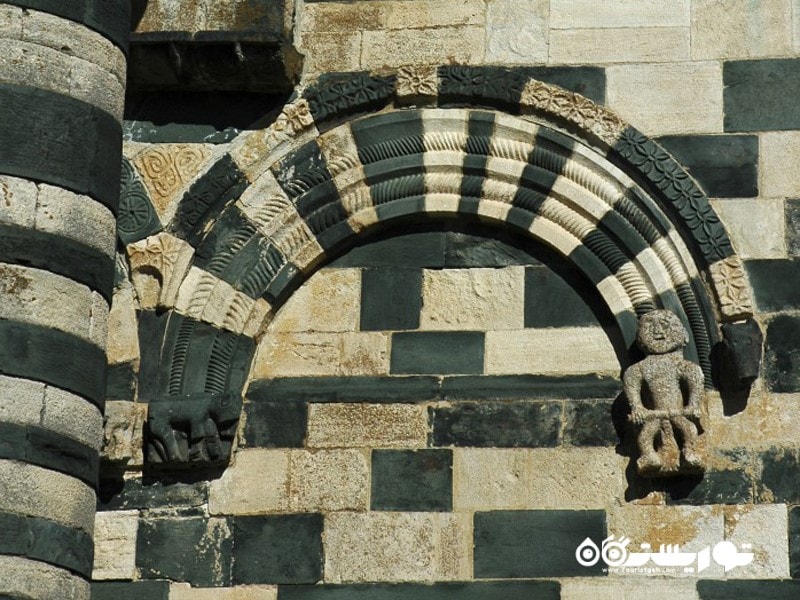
[[648, 458], [689, 433]]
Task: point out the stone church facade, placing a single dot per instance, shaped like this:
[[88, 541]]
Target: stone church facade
[[314, 300]]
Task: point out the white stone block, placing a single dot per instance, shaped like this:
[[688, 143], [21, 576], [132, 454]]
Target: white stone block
[[765, 527], [385, 49], [620, 45], [17, 200], [329, 301], [184, 591], [115, 545], [329, 480], [779, 155], [517, 31], [367, 426], [756, 226], [574, 14], [254, 483]]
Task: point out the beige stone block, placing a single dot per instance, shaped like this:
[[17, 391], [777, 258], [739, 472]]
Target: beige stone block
[[756, 226], [387, 49], [367, 426], [640, 44], [768, 420], [123, 339], [39, 492], [393, 547], [71, 415], [796, 24], [691, 528], [10, 21], [23, 400], [123, 432], [765, 527], [668, 98], [741, 29], [576, 14], [255, 482], [115, 544], [17, 199], [517, 31], [329, 301], [550, 351], [651, 588], [473, 299], [330, 52], [299, 354], [779, 154], [43, 298], [24, 578], [184, 591], [537, 478], [329, 480]]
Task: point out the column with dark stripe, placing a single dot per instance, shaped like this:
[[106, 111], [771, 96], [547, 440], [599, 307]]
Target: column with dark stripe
[[62, 84]]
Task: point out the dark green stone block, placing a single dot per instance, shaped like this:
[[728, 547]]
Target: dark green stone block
[[466, 250], [587, 81], [124, 494], [497, 424], [136, 217], [55, 139], [535, 543], [421, 250], [780, 476], [759, 94], [725, 166], [275, 424], [399, 210], [590, 423], [338, 95], [121, 382], [437, 352], [731, 486], [344, 389], [61, 453], [794, 542], [550, 301], [151, 328], [503, 387], [412, 480], [793, 227], [496, 590], [775, 283], [277, 549], [139, 590], [390, 299], [196, 550], [782, 354], [53, 357], [387, 136], [709, 589], [20, 245], [396, 179]]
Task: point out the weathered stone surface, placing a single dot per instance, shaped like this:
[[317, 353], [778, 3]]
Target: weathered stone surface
[[123, 343], [779, 151], [766, 529], [572, 14], [770, 420], [473, 299], [33, 579], [330, 52], [277, 549], [397, 547], [275, 424], [497, 424], [741, 29], [391, 14], [391, 299], [634, 44], [22, 400], [435, 352], [517, 31], [328, 301], [255, 482], [184, 591], [115, 545], [123, 435], [116, 494], [402, 47], [723, 590], [758, 97], [38, 492], [536, 543], [772, 284], [793, 227], [577, 588], [303, 354], [550, 351], [158, 265], [669, 98], [782, 355], [72, 416], [412, 480], [195, 550], [692, 528], [551, 301], [18, 206], [724, 486], [328, 480], [343, 389], [367, 425], [768, 240], [589, 423], [490, 479]]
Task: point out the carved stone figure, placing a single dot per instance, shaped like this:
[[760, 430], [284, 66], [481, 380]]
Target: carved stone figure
[[194, 429], [664, 391]]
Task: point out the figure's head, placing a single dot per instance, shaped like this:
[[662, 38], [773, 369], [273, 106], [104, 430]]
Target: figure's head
[[661, 331]]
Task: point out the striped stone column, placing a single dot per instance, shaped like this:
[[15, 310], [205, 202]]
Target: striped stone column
[[62, 83]]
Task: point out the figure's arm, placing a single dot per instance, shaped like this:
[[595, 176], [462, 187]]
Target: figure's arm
[[692, 375], [632, 384]]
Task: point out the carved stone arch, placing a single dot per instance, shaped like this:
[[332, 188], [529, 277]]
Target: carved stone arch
[[358, 151]]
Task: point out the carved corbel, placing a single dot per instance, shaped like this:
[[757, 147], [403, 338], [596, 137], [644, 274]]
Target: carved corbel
[[158, 265]]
